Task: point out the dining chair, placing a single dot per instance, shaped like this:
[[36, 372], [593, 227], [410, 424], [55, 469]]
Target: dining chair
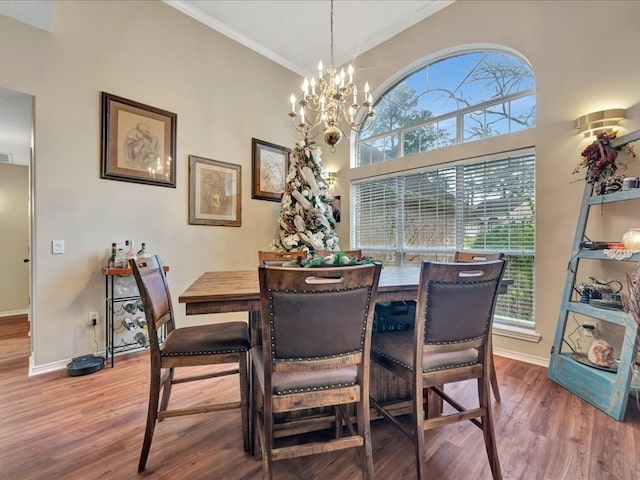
[[472, 257], [267, 257], [220, 343], [315, 352], [450, 342]]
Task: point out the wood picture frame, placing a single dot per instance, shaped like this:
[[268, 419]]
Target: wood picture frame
[[214, 192], [138, 142], [270, 164], [336, 208]]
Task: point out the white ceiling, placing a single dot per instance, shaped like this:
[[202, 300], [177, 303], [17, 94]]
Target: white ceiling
[[293, 33], [296, 33]]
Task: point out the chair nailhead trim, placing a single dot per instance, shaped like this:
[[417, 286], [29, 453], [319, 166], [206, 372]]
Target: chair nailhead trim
[[435, 369], [203, 352], [315, 389]]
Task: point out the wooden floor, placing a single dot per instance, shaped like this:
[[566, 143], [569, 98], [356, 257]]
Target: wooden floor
[[58, 427]]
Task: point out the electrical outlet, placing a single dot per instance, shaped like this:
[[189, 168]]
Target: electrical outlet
[[93, 318], [590, 328]]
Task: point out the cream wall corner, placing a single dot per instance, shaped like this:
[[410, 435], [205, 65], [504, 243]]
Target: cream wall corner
[[223, 93]]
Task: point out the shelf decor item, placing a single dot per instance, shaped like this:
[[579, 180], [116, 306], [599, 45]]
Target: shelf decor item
[[138, 142], [631, 239], [599, 163]]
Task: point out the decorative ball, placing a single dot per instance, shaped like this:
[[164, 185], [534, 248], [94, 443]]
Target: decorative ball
[[631, 239], [600, 353], [332, 135]]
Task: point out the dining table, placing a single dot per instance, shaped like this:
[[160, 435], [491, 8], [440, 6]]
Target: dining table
[[225, 291]]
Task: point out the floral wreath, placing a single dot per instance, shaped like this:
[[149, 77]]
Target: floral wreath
[[334, 259]]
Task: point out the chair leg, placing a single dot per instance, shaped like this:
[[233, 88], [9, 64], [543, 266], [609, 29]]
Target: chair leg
[[256, 443], [494, 380], [418, 428], [244, 402], [364, 429], [488, 430], [166, 391], [152, 415], [266, 438]]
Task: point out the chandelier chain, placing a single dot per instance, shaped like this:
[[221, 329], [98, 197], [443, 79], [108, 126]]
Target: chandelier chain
[[332, 60]]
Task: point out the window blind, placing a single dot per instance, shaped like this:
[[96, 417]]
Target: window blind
[[480, 206]]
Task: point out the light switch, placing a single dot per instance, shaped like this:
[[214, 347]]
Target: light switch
[[57, 246]]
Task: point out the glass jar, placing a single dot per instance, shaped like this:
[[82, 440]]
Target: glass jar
[[631, 239]]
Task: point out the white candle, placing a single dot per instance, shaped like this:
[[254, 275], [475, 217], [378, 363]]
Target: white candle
[[305, 87], [313, 86], [350, 70], [293, 103]]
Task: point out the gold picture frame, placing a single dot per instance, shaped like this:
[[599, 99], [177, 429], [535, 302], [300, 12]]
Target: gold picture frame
[[138, 142], [270, 163], [214, 192]]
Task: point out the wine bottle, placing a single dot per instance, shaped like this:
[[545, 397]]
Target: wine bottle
[[112, 258], [142, 253]]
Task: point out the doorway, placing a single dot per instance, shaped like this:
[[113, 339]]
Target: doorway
[[16, 166]]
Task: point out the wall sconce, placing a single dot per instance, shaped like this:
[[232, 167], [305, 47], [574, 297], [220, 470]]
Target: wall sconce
[[598, 122], [331, 178]]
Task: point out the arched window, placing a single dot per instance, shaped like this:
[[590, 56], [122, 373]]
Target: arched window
[[456, 99], [483, 204]]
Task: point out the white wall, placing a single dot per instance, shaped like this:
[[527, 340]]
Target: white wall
[[223, 94], [582, 54]]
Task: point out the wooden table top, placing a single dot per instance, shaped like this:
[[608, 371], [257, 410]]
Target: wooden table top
[[239, 290]]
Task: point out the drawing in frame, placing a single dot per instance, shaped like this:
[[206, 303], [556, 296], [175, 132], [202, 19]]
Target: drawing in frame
[[138, 142], [336, 208], [214, 192], [270, 163]]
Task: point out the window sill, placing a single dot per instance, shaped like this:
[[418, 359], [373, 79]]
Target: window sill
[[516, 332]]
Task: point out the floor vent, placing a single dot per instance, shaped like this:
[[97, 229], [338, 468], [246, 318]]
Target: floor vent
[[6, 158]]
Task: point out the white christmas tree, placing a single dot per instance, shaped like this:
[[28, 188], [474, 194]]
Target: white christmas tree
[[306, 216]]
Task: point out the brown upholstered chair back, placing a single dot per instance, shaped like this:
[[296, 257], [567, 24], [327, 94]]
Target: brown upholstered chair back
[[457, 302], [278, 258], [156, 298], [321, 315], [472, 257]]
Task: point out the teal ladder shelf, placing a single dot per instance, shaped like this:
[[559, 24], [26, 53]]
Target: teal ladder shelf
[[608, 391]]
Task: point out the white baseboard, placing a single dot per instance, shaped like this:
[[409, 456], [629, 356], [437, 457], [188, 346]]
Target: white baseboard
[[543, 362], [11, 313], [53, 366], [46, 368]]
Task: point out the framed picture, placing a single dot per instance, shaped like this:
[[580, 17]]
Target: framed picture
[[270, 165], [214, 192], [138, 142], [336, 208]]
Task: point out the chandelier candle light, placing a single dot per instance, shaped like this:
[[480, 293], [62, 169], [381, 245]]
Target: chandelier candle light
[[327, 97]]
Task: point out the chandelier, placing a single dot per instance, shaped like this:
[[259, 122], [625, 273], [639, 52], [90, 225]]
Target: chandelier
[[324, 104]]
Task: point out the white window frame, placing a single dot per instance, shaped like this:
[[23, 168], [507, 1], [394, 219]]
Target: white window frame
[[508, 326]]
